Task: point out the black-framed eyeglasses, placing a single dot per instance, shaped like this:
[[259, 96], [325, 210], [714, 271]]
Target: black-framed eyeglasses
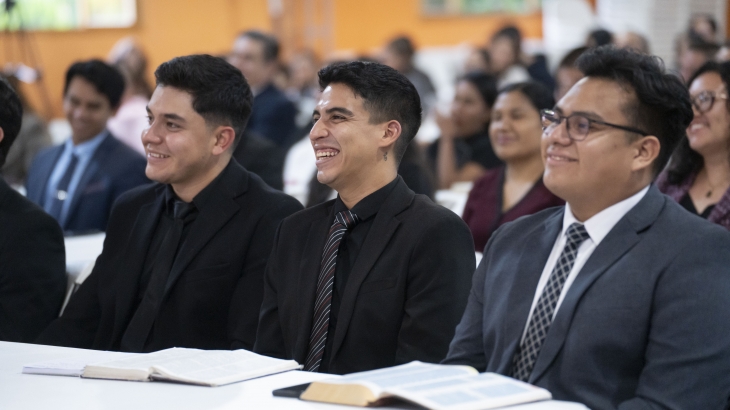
[[706, 99], [578, 125]]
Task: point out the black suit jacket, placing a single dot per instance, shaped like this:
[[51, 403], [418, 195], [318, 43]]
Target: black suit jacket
[[404, 295], [215, 287], [273, 116], [114, 169], [644, 325], [32, 267]]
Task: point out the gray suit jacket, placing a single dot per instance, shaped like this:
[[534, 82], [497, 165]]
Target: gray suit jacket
[[644, 325]]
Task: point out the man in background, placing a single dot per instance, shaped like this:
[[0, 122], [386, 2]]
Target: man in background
[[256, 54], [184, 258], [32, 260], [78, 181]]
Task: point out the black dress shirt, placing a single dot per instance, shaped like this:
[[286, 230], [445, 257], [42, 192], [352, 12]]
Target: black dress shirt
[[347, 254]]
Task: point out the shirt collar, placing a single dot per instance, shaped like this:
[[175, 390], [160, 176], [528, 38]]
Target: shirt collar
[[368, 206], [600, 224], [86, 148]]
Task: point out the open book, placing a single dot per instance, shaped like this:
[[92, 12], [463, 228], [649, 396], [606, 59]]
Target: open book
[[193, 366], [430, 385]]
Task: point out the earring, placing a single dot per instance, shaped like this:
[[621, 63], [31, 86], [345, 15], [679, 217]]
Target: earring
[[385, 156]]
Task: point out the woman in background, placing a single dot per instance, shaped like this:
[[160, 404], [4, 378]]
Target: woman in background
[[698, 176], [515, 189], [463, 152]]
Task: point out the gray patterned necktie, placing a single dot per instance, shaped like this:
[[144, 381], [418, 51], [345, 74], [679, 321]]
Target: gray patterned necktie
[[542, 316]]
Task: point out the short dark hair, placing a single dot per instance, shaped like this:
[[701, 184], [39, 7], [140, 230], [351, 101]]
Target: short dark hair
[[685, 160], [661, 106], [486, 85], [600, 37], [388, 96], [220, 93], [106, 79], [569, 60], [269, 42], [11, 117], [540, 96]]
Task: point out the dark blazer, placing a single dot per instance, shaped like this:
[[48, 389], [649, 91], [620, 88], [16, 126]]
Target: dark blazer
[[32, 267], [114, 169], [273, 116], [644, 325], [404, 295], [214, 291]]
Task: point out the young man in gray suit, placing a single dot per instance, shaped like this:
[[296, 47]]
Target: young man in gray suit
[[619, 299]]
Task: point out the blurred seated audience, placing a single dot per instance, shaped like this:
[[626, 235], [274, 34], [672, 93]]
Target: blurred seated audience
[[505, 49], [32, 138], [632, 40], [567, 74], [724, 53], [399, 54], [695, 54], [262, 157], [131, 117], [508, 192], [32, 259], [599, 37], [463, 152], [78, 181], [698, 176], [703, 26], [303, 87], [478, 60], [256, 54]]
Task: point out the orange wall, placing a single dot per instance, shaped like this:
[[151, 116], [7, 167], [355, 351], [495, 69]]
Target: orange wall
[[364, 25], [168, 28]]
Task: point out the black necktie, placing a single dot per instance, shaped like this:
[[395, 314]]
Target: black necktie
[[137, 333], [344, 221], [61, 194], [542, 316]]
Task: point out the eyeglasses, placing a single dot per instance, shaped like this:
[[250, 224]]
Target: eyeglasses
[[706, 99], [578, 125]]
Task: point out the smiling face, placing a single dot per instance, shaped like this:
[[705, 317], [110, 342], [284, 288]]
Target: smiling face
[[87, 110], [601, 170], [709, 132], [469, 111], [347, 146], [515, 129], [182, 150]]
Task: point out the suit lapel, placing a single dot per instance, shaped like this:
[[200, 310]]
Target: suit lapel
[[44, 175], [135, 253], [530, 264], [307, 279], [384, 226], [623, 237], [210, 220]]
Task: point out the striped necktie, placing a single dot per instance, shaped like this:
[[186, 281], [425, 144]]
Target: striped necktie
[[344, 221], [542, 316]]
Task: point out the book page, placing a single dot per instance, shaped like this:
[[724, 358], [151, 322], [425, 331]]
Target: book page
[[73, 366], [215, 367], [482, 391]]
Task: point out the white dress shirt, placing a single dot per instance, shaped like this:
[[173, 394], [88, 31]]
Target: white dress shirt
[[598, 226]]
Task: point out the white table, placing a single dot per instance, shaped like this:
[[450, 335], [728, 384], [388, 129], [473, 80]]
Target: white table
[[28, 391]]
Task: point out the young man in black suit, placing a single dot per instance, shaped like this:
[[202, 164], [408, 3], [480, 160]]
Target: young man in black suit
[[619, 300], [78, 181], [380, 275], [32, 260], [183, 259]]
